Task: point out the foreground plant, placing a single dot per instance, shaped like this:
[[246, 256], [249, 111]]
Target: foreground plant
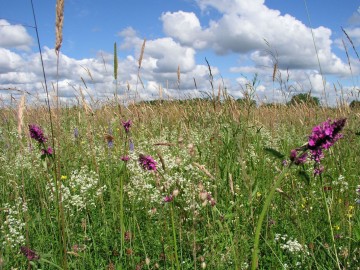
[[322, 138]]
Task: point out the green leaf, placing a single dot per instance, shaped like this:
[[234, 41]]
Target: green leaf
[[274, 152]]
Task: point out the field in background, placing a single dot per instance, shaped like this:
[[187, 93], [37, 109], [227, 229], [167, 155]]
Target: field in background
[[87, 207]]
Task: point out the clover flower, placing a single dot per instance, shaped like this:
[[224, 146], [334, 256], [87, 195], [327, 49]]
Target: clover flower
[[147, 163], [37, 134], [125, 158], [29, 254], [127, 125]]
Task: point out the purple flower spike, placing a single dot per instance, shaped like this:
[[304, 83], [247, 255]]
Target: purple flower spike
[[322, 138], [147, 162], [127, 125], [29, 254], [326, 134], [37, 134]]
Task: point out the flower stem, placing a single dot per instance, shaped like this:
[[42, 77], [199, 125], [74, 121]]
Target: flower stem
[[264, 210], [330, 224], [174, 236]]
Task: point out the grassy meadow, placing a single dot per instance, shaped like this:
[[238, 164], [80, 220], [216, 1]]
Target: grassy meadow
[[90, 204]]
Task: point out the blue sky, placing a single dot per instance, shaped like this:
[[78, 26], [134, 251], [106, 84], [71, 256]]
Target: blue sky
[[180, 34]]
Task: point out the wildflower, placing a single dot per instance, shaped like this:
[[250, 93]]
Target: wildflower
[[322, 138], [318, 170], [127, 125], [37, 133], [30, 254], [125, 158], [47, 152], [147, 162], [63, 177], [168, 198], [298, 159], [109, 139], [76, 133], [131, 146]]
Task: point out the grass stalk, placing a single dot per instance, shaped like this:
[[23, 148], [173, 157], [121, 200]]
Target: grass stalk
[[255, 253]]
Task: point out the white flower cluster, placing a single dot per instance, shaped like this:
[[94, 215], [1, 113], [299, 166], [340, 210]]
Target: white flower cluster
[[80, 191], [357, 200], [148, 189], [291, 245], [12, 229], [341, 184]]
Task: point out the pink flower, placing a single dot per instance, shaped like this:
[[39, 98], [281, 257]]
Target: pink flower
[[30, 254], [168, 199], [147, 162], [127, 125]]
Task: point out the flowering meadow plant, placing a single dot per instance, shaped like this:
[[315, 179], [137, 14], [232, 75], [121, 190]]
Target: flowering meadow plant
[[37, 134], [186, 189], [322, 138]]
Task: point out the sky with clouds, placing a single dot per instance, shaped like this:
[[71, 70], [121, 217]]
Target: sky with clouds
[[306, 41]]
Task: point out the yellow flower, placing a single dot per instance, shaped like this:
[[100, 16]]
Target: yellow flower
[[258, 194], [350, 211], [63, 177], [337, 227]]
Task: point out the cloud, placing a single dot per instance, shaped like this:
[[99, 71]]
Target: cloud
[[247, 27], [247, 30], [14, 36], [9, 61]]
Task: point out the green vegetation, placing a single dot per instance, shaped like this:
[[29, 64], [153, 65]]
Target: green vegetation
[[304, 99], [216, 165]]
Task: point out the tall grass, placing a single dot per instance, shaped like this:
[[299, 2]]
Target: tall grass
[[222, 163]]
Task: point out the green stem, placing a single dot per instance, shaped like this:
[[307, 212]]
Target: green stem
[[174, 236], [330, 224], [122, 211], [268, 200]]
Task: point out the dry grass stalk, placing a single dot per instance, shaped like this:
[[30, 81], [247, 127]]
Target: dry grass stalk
[[203, 169], [142, 53], [274, 72], [59, 24], [178, 76], [351, 42], [20, 115]]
